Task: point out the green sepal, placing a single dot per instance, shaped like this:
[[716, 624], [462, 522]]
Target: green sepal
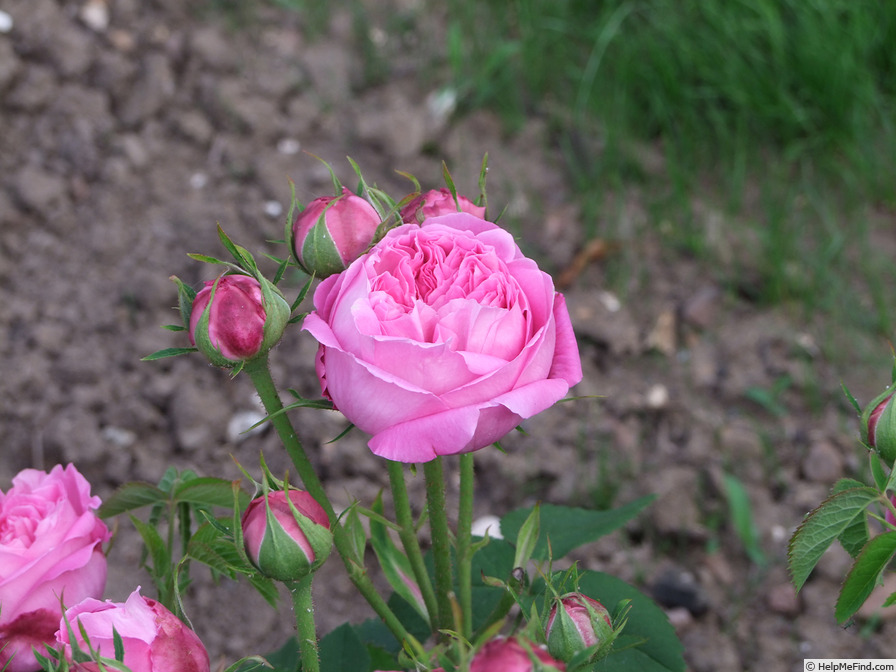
[[167, 352], [319, 254], [185, 297], [527, 538]]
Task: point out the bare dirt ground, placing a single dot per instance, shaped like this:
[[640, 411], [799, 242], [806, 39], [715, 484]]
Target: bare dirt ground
[[124, 142]]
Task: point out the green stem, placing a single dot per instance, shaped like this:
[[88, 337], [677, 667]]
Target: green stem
[[434, 475], [303, 608], [260, 374], [409, 540], [465, 543]]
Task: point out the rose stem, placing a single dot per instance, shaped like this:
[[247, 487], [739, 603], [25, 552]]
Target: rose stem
[[409, 540], [258, 371], [464, 543], [304, 611], [434, 475]]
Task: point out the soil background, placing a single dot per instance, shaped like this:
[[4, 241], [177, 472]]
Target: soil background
[[129, 129]]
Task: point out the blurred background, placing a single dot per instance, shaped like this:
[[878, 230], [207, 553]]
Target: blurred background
[[710, 182]]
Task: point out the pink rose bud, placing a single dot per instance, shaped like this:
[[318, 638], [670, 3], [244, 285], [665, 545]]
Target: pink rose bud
[[442, 338], [576, 625], [332, 232], [235, 318], [437, 202], [50, 549], [286, 539], [878, 426], [154, 639], [512, 654]]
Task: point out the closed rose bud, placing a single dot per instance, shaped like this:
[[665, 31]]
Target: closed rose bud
[[153, 639], [878, 426], [437, 202], [332, 232], [574, 624], [286, 539], [235, 318], [512, 654]]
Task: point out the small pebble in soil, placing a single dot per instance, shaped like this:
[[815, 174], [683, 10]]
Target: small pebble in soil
[[5, 22], [679, 588], [238, 427]]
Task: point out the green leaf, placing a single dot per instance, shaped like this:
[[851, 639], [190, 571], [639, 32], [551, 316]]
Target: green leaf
[[855, 536], [742, 517], [131, 496], [342, 650], [208, 491], [649, 642], [167, 352], [864, 575], [568, 528], [822, 526], [158, 551]]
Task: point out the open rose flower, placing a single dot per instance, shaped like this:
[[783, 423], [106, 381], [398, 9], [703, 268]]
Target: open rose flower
[[442, 338], [50, 550], [153, 639]]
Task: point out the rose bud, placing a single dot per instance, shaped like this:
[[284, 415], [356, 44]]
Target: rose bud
[[153, 639], [437, 202], [512, 654], [286, 539], [235, 318], [574, 624], [878, 426], [332, 232], [50, 548]]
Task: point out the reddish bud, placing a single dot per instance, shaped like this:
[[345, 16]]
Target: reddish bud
[[574, 625], [232, 320], [878, 426]]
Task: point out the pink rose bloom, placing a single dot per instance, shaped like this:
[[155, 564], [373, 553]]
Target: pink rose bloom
[[154, 639], [437, 202], [50, 550], [509, 654], [442, 339]]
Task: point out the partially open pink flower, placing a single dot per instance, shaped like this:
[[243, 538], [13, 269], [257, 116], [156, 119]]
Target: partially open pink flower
[[333, 231], [154, 639], [50, 550], [512, 654], [442, 339], [437, 202], [284, 545]]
